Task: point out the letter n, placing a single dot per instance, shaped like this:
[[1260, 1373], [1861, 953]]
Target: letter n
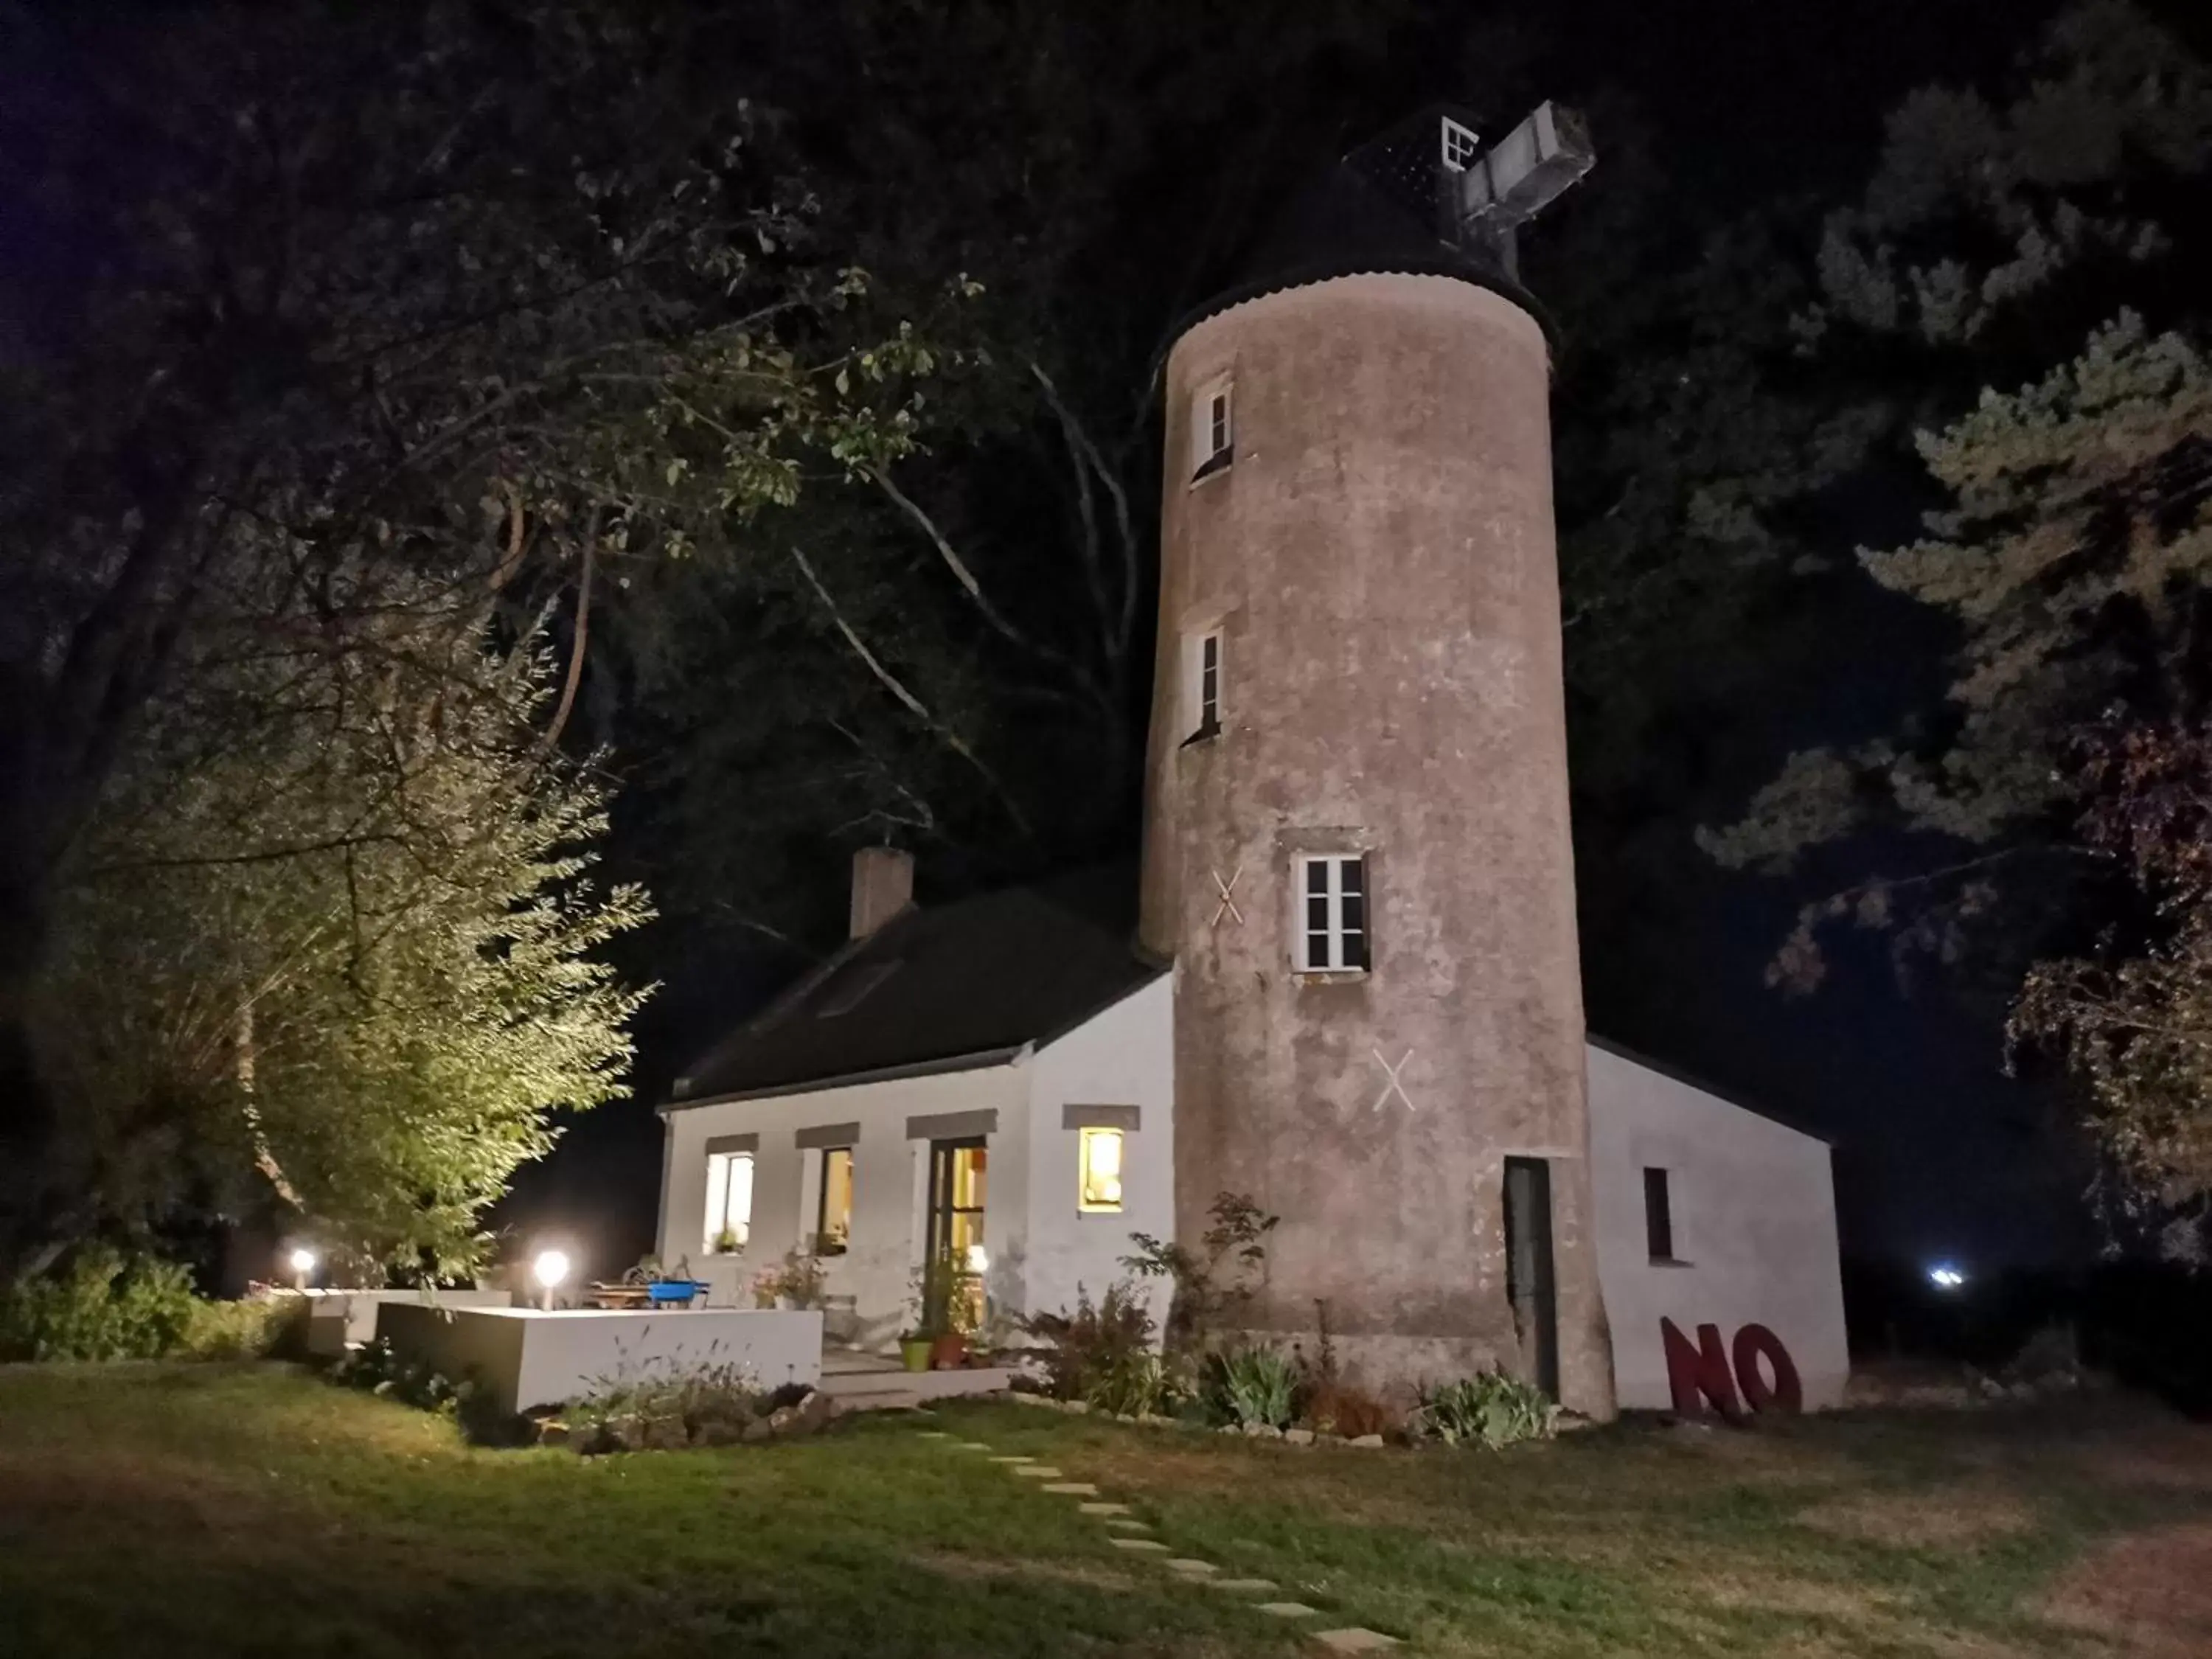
[[1697, 1375]]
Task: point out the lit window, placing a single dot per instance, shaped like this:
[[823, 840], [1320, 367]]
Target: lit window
[[1332, 931], [1658, 1216], [729, 1202], [833, 1212], [1102, 1171], [1461, 145], [1213, 432]]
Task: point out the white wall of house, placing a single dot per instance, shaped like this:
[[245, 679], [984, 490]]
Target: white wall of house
[[1123, 1057], [1754, 1229]]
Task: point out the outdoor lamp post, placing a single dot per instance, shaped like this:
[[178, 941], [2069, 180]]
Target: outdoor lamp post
[[550, 1269], [303, 1263]]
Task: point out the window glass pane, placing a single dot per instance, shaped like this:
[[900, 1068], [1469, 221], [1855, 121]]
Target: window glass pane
[[1351, 874], [1102, 1170], [737, 1214], [1316, 875], [833, 1227], [718, 1189], [1218, 424]]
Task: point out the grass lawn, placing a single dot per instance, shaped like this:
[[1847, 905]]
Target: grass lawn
[[252, 1510]]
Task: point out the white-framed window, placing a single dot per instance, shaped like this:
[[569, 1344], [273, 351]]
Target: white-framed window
[[1461, 145], [1099, 1159], [1202, 681], [729, 1202], [1332, 913], [1213, 427], [833, 1202]]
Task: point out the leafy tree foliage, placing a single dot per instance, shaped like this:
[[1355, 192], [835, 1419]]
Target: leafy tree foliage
[[2071, 529]]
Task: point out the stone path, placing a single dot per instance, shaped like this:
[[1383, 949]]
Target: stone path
[[1188, 1569]]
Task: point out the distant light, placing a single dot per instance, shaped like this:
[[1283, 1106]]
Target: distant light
[[303, 1260], [550, 1267], [1945, 1277], [979, 1259]]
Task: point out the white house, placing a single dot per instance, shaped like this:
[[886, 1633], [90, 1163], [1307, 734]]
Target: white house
[[1346, 983], [995, 1077]]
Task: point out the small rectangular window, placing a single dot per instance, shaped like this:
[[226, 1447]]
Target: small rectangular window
[[1101, 1192], [1461, 145], [1332, 929], [1658, 1216], [833, 1214], [1213, 428], [729, 1202], [1201, 693]]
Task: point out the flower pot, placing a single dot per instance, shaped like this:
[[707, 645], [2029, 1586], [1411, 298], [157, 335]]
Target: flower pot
[[949, 1352], [915, 1352]]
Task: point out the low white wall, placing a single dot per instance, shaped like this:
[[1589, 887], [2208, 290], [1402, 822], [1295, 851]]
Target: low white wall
[[1124, 1056], [1754, 1208], [529, 1357], [891, 1176], [337, 1317]]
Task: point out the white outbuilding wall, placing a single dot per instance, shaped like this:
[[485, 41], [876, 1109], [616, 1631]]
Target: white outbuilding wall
[[1116, 1067], [1753, 1211]]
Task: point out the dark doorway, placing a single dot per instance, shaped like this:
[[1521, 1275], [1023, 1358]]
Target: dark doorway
[[1529, 1266]]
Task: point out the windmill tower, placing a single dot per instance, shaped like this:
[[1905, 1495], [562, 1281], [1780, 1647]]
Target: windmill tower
[[1357, 846]]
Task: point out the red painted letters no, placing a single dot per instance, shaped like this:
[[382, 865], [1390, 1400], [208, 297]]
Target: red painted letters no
[[1696, 1375]]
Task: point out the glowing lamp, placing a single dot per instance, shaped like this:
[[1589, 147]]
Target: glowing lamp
[[979, 1259], [550, 1267], [303, 1263], [1945, 1277]]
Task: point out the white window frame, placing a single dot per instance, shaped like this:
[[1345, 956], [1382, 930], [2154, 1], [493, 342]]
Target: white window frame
[[1458, 146], [720, 1168], [1085, 1139], [1195, 643], [1334, 939], [1207, 446]]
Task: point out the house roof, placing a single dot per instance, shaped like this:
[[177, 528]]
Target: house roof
[[1372, 212], [940, 987]]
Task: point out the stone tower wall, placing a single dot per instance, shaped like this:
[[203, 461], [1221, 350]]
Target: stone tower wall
[[1379, 558]]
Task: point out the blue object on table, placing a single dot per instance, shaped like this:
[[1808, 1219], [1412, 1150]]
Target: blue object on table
[[678, 1290]]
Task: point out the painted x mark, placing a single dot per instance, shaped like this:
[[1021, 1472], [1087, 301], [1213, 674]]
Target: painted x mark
[[1226, 889], [1394, 1086]]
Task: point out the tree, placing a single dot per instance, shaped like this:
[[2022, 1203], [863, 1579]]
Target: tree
[[2069, 538]]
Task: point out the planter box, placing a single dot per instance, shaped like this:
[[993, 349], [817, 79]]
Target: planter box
[[336, 1318], [528, 1358]]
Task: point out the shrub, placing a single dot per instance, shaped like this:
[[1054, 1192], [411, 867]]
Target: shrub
[[1094, 1343], [1131, 1385], [1492, 1410], [103, 1306], [797, 1278], [702, 1397], [243, 1330], [1339, 1407], [1256, 1385], [1204, 1296]]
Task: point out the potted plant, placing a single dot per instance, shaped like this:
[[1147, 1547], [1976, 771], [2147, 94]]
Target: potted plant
[[948, 1310], [726, 1242]]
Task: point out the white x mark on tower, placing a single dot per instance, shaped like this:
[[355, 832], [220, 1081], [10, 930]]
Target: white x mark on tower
[[1394, 1086], [1226, 889]]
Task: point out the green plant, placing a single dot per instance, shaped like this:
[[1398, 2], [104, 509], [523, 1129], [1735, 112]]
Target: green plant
[[1492, 1410], [726, 1242], [104, 1305], [1205, 1294], [798, 1280], [944, 1300], [1132, 1385], [1256, 1385], [251, 1329], [1081, 1350]]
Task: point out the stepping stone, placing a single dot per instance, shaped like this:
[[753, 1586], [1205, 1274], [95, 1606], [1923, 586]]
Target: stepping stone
[[1287, 1610], [1104, 1509], [1073, 1488], [932, 1434], [1190, 1566], [973, 1445], [1036, 1470], [1354, 1640], [1013, 1460], [1121, 1524], [1243, 1586], [1149, 1546]]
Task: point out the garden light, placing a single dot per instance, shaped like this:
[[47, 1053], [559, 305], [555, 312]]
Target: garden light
[[550, 1267], [979, 1259], [303, 1263]]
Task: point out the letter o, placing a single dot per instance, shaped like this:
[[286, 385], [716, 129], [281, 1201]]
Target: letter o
[[1752, 1343]]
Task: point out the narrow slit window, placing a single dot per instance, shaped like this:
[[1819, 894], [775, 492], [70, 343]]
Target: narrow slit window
[[1213, 428], [833, 1211], [1333, 913], [1658, 1215], [1202, 683], [729, 1202], [1101, 1150]]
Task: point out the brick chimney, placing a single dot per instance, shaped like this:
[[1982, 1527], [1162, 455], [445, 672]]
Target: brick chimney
[[882, 885]]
